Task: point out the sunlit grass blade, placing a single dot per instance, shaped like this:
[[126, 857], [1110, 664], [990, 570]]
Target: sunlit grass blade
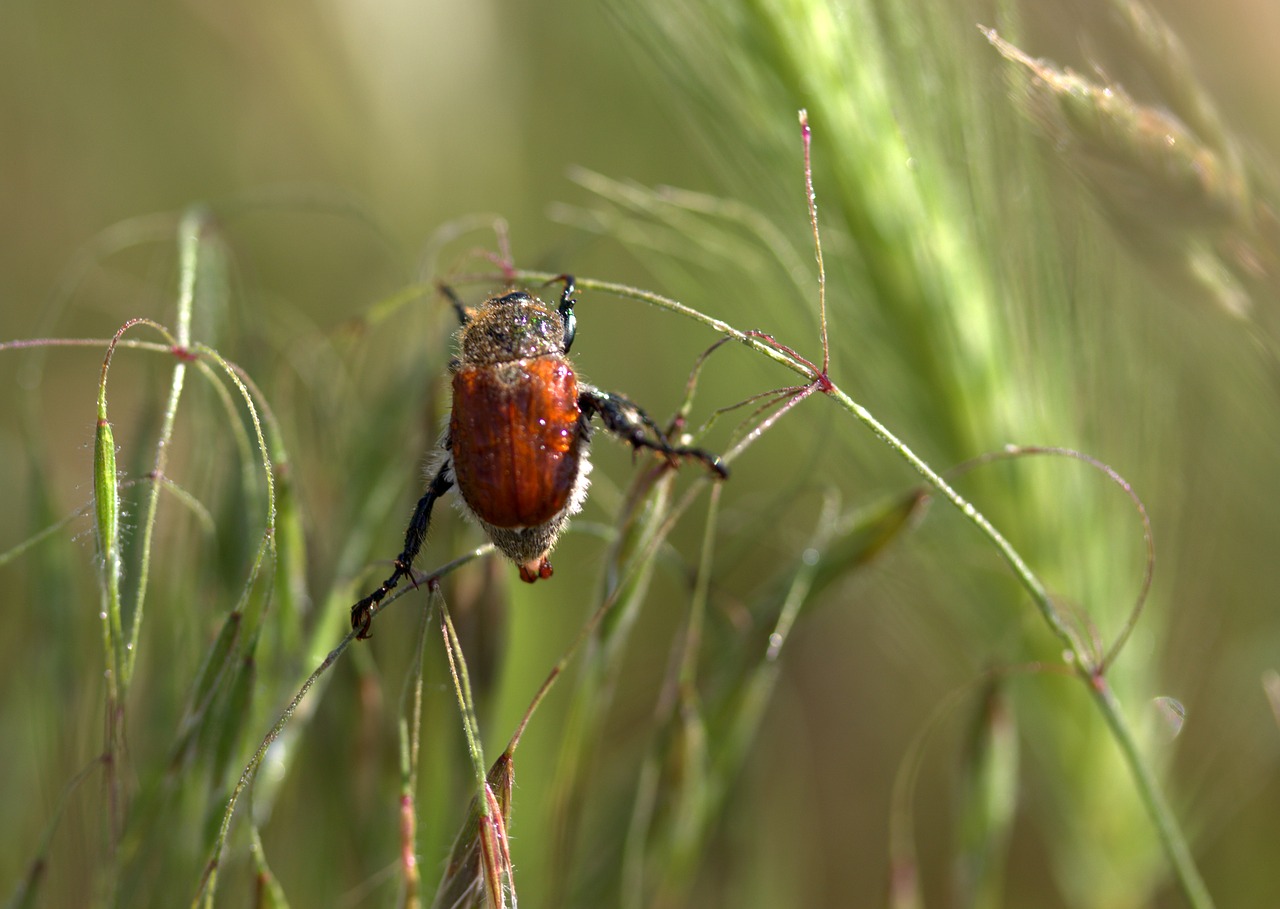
[[692, 770], [290, 597], [627, 574], [27, 889], [987, 801], [268, 893], [209, 680], [230, 726], [987, 796]]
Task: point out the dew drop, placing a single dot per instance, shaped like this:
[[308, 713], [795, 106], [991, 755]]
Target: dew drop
[[1172, 714]]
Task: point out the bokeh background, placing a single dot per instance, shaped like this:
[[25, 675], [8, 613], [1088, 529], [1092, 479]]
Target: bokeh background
[[991, 281]]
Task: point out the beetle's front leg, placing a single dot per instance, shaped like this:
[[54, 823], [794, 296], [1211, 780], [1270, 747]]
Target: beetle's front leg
[[362, 612], [626, 420], [459, 308], [567, 302]]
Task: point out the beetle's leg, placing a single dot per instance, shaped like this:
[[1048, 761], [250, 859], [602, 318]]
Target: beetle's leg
[[464, 315], [627, 421], [567, 302], [362, 612]]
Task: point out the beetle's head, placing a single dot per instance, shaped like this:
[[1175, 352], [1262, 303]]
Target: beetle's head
[[514, 326]]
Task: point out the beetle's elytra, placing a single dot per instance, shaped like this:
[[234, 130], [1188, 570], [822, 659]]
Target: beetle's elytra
[[519, 433], [516, 479]]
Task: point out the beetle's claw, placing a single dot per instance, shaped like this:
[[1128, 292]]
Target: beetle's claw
[[362, 618]]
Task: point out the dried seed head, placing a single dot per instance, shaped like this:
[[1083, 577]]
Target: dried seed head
[[1140, 161], [479, 872]]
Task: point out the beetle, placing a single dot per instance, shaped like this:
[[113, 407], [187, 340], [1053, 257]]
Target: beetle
[[519, 434]]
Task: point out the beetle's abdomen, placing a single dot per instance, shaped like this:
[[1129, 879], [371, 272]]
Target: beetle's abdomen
[[514, 432]]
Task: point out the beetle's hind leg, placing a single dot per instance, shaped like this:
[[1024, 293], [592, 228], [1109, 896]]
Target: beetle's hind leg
[[362, 612], [627, 421]]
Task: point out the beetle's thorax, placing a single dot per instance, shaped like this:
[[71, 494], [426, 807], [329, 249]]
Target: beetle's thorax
[[515, 326]]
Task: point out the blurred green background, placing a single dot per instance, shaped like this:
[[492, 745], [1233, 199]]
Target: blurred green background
[[984, 289]]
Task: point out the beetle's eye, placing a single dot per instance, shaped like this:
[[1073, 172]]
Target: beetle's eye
[[516, 296]]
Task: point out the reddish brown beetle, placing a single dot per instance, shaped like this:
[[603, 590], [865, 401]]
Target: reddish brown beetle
[[519, 433]]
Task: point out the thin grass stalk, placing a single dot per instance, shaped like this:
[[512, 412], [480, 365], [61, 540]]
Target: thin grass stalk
[[626, 584], [695, 793], [207, 889], [410, 729], [106, 485], [688, 674], [485, 833], [189, 239], [266, 546], [494, 858], [208, 885], [905, 892], [462, 688], [1082, 661]]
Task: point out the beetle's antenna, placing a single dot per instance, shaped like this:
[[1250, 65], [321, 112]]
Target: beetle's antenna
[[812, 198]]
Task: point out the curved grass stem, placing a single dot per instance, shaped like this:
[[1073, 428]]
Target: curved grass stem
[[1077, 651]]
